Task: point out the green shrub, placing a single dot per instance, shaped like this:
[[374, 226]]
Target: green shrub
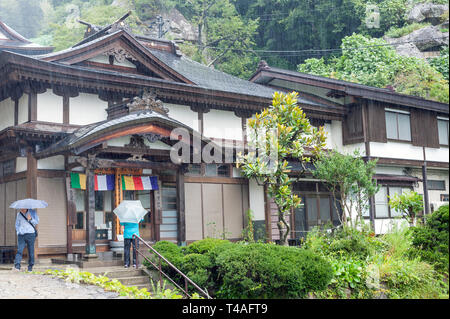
[[204, 246], [346, 240], [172, 252], [270, 271], [396, 32], [430, 241]]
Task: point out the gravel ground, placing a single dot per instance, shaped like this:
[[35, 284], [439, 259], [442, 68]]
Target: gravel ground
[[22, 285]]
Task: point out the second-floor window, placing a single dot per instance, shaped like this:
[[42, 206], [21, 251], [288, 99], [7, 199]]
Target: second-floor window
[[398, 125], [443, 130]]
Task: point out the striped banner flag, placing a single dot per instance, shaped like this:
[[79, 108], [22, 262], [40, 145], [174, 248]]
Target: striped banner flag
[[102, 182], [137, 183]]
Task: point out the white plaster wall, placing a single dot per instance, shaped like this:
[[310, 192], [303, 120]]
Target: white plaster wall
[[3, 37], [396, 150], [54, 162], [437, 154], [105, 60], [6, 113], [123, 140], [21, 164], [334, 139], [23, 109], [49, 107], [87, 109], [390, 170], [222, 124], [183, 114], [256, 200]]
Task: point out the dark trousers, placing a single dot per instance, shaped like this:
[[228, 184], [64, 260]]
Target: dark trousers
[[127, 242], [22, 240]]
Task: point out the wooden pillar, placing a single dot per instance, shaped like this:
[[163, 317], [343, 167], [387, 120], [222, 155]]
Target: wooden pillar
[[90, 212], [71, 212], [425, 184], [118, 198], [181, 206], [365, 123], [31, 175], [32, 188]]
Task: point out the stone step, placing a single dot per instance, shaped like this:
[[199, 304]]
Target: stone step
[[133, 281]]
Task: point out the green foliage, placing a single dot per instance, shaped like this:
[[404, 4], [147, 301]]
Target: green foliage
[[440, 63], [380, 66], [395, 32], [242, 270], [24, 16], [110, 285], [365, 266], [349, 179], [270, 271], [279, 133], [409, 203], [430, 240], [204, 246]]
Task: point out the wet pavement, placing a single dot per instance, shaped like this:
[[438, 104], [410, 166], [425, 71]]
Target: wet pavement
[[24, 285]]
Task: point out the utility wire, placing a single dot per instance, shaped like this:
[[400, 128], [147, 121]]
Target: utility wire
[[315, 51]]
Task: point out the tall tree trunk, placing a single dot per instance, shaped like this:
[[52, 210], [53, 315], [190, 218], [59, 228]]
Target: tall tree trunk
[[283, 228]]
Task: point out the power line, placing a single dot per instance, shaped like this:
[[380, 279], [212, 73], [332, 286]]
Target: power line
[[313, 51]]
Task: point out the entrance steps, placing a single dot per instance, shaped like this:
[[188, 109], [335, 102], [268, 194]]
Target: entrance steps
[[127, 276]]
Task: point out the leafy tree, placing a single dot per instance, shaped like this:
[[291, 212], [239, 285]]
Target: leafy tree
[[408, 203], [278, 134], [24, 16], [66, 34], [225, 39], [440, 63], [373, 62], [287, 25], [350, 181]]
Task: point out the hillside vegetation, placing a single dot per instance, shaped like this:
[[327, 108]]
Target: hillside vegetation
[[343, 39]]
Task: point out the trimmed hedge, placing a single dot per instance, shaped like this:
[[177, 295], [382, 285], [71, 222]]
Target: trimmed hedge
[[241, 270]]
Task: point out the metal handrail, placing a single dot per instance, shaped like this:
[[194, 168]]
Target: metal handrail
[[161, 272]]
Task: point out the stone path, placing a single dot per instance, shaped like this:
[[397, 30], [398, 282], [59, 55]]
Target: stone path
[[22, 285]]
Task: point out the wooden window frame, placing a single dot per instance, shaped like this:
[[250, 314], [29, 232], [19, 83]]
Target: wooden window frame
[[388, 186], [397, 112], [442, 119]]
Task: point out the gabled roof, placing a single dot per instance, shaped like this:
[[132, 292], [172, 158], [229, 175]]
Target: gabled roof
[[265, 74], [167, 64], [12, 41]]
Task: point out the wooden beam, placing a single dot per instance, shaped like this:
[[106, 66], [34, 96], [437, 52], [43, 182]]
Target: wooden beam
[[31, 176], [181, 206], [90, 212]]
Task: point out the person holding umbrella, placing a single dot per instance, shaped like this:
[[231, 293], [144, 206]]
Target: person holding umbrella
[[130, 214], [26, 221]]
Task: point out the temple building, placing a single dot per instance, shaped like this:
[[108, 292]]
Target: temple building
[[97, 123]]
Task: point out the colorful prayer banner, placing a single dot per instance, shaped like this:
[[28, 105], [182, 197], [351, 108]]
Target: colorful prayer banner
[[78, 180], [136, 183], [104, 182], [101, 182]]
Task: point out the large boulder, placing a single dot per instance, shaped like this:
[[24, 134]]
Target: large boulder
[[427, 12], [416, 42]]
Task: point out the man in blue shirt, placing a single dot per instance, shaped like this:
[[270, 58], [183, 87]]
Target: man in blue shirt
[[26, 221], [129, 229]]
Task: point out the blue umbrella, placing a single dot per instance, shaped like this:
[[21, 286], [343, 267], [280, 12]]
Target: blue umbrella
[[28, 203]]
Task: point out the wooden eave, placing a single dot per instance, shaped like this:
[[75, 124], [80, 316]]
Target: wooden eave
[[265, 75], [18, 68]]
